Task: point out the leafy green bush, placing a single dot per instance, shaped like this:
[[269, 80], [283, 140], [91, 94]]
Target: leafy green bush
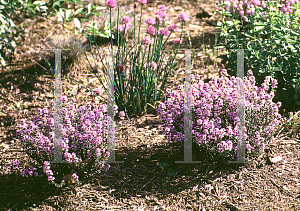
[[271, 38], [9, 33], [10, 9]]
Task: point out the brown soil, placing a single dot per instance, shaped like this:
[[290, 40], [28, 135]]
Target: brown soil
[[138, 183]]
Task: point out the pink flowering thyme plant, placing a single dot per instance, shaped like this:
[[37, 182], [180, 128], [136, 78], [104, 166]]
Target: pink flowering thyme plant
[[215, 115], [140, 84], [83, 140]]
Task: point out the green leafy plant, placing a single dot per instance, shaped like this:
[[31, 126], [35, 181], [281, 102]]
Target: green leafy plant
[[18, 106], [9, 33], [139, 71], [167, 174], [270, 38]]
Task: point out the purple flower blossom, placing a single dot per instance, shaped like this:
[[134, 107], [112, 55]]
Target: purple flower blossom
[[75, 177], [150, 21], [163, 8], [51, 178], [75, 137], [161, 15], [172, 28], [183, 17], [111, 3], [163, 32], [208, 127], [125, 20], [122, 114], [147, 41], [143, 1], [119, 28], [176, 41], [153, 65], [151, 30]]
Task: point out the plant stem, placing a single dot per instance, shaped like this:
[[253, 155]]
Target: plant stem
[[140, 23]]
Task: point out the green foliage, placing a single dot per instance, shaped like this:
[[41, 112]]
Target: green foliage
[[167, 174], [272, 49], [140, 71], [9, 33]]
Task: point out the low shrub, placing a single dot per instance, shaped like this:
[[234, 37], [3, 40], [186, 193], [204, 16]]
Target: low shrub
[[215, 115], [269, 31], [84, 139]]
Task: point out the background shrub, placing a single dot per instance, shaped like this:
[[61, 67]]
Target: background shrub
[[271, 35]]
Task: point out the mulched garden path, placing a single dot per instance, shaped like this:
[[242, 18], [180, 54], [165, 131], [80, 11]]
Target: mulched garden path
[[139, 183]]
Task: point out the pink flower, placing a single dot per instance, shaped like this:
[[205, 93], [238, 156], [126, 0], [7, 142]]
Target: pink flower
[[122, 114], [146, 41], [100, 91], [143, 1], [111, 3], [120, 27], [163, 8], [150, 21], [163, 32], [151, 30], [172, 28], [141, 47], [183, 17], [153, 65], [249, 147], [125, 20], [158, 19], [176, 41], [162, 15], [51, 178], [120, 68], [75, 177]]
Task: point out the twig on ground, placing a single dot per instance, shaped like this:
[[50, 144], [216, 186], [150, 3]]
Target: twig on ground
[[147, 183], [286, 123], [227, 204], [282, 189]]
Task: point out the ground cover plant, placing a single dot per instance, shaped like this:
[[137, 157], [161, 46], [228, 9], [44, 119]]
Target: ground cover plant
[[269, 31], [215, 115], [84, 142]]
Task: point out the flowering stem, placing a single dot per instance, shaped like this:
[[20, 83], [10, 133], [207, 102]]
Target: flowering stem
[[140, 23], [111, 41], [118, 31], [133, 23]]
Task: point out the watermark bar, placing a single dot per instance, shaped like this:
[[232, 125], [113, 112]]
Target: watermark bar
[[240, 109], [188, 122], [58, 110], [110, 109]]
